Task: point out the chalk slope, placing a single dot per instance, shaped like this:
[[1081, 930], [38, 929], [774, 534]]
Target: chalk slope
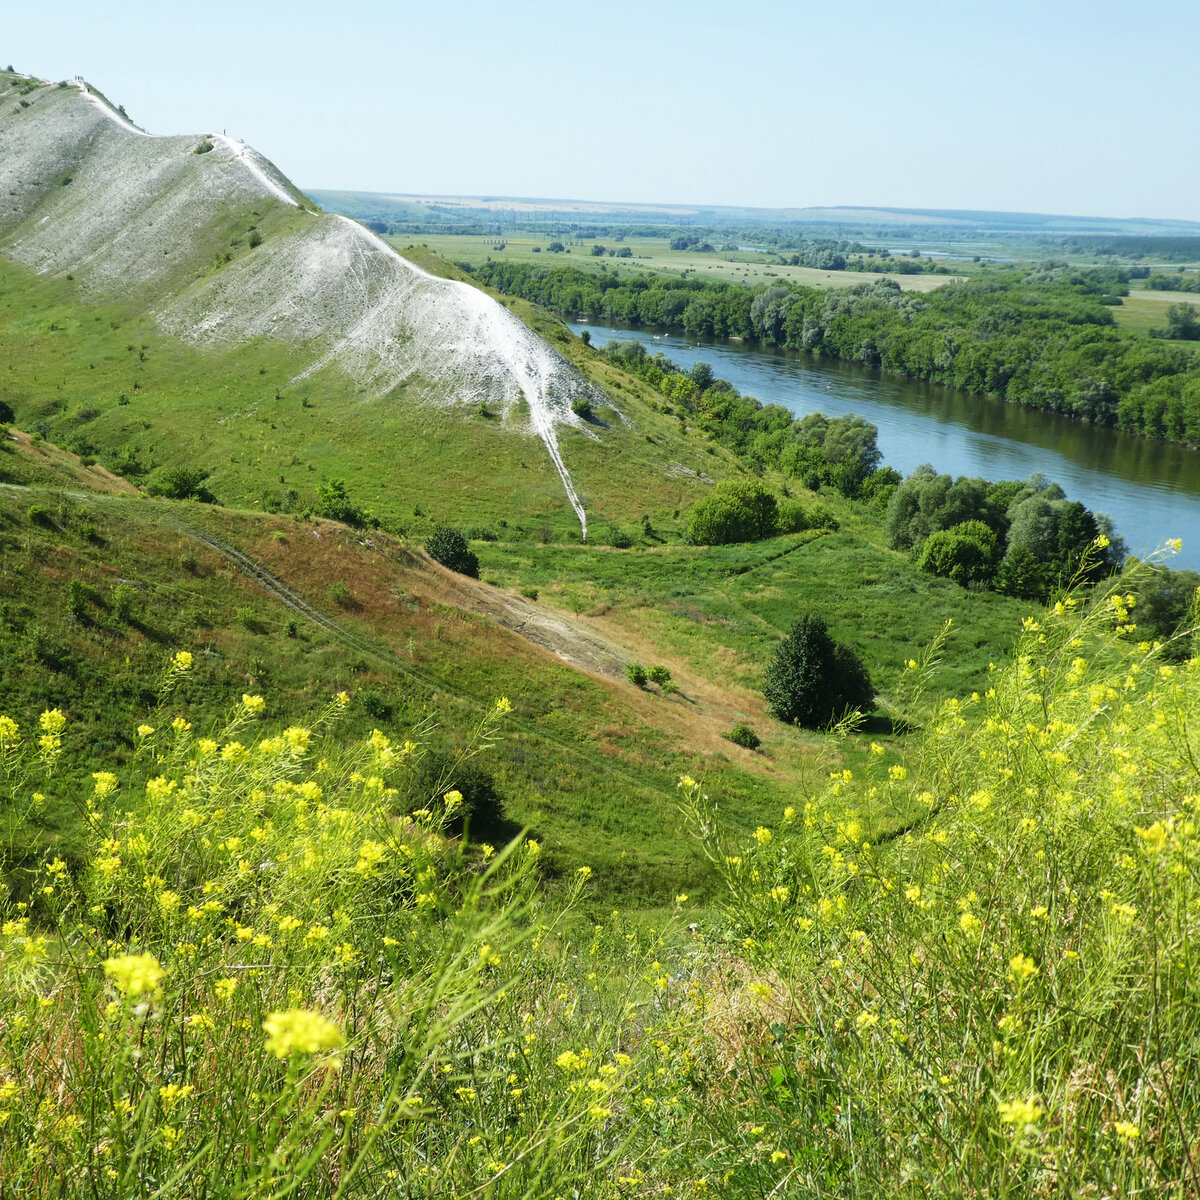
[[85, 192]]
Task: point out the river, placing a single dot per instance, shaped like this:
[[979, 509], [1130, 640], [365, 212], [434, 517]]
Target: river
[[1150, 489]]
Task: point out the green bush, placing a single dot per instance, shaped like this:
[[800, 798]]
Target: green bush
[[636, 673], [965, 553], [447, 546], [180, 483], [737, 510], [124, 599], [338, 593], [791, 517], [333, 503], [813, 679], [439, 771], [581, 406], [743, 735], [659, 674]]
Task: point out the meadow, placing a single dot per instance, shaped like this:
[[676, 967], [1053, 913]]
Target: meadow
[[650, 255], [257, 980]]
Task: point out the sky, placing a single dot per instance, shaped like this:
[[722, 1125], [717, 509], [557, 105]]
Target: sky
[[1049, 106]]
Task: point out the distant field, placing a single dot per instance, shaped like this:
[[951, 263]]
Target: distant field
[[1143, 311], [654, 255]]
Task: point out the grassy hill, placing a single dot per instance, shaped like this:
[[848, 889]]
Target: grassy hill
[[99, 586]]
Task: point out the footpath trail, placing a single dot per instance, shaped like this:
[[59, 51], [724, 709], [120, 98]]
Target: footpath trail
[[697, 716]]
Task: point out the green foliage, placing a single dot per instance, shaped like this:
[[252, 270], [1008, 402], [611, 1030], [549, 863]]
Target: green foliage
[[338, 593], [180, 483], [791, 517], [737, 510], [333, 502], [636, 673], [1168, 608], [7, 416], [658, 674], [1183, 322], [965, 553], [812, 679], [581, 406], [1046, 340], [441, 770], [743, 735], [447, 546], [124, 601], [1024, 539]]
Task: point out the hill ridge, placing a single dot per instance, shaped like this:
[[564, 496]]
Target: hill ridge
[[85, 193]]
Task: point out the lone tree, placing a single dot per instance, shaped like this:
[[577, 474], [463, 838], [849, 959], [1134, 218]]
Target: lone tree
[[449, 547], [812, 680]]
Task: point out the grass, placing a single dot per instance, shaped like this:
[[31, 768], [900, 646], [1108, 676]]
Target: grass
[[654, 255], [252, 978], [419, 637], [105, 382], [1143, 310]]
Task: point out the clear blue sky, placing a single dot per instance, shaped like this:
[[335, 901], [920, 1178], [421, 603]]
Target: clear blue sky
[[1030, 105]]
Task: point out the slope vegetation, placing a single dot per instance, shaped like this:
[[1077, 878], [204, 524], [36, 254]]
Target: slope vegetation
[[216, 246]]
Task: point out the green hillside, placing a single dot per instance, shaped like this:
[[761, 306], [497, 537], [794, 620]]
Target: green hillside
[[328, 871]]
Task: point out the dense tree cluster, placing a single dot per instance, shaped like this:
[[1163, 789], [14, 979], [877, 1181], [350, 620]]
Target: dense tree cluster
[[1022, 538], [1174, 283], [815, 449], [1046, 340]]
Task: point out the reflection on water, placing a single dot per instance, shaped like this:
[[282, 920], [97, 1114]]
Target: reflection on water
[[1150, 489]]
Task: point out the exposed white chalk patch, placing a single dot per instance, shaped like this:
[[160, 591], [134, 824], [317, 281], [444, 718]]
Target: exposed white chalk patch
[[255, 164], [134, 217]]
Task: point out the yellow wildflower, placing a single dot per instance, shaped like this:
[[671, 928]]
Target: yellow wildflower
[[301, 1031], [134, 974]]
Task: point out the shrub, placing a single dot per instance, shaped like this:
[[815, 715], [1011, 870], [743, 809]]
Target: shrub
[[440, 771], [447, 546], [791, 517], [248, 619], [38, 515], [180, 483], [960, 556], [124, 598], [581, 406], [7, 416], [659, 674], [530, 593], [820, 517], [737, 510], [481, 533], [635, 672], [619, 539], [333, 502], [79, 595], [813, 679], [338, 593], [743, 735], [375, 704]]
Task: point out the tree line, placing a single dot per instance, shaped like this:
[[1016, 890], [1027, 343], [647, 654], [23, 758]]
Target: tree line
[[1045, 339]]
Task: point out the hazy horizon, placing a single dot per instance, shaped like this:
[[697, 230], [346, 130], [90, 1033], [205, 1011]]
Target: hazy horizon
[[1072, 109]]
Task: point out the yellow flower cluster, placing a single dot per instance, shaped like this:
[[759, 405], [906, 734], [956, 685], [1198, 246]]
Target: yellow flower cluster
[[134, 974], [301, 1031]]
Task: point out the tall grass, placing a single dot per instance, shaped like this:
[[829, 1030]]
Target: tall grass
[[258, 981]]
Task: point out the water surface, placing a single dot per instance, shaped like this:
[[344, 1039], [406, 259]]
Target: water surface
[[1150, 489]]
